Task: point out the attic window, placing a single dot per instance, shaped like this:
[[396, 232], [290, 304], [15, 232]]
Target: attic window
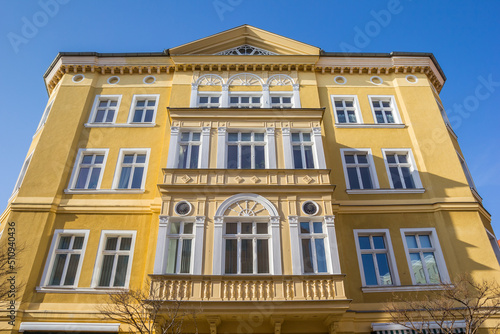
[[246, 50]]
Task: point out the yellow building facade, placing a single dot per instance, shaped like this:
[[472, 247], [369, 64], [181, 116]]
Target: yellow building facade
[[279, 187]]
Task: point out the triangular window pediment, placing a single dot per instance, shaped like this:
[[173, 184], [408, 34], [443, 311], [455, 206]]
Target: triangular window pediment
[[246, 50]]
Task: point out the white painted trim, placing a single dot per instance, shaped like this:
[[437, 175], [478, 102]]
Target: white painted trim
[[359, 117], [414, 170], [389, 326], [390, 254], [275, 247], [413, 77], [69, 327], [493, 241], [465, 168], [401, 288], [287, 148], [271, 209], [104, 191], [22, 173], [371, 126], [98, 261], [136, 97], [50, 258], [113, 77], [118, 125], [270, 149], [233, 77], [318, 146], [332, 241], [371, 164], [45, 114], [385, 191], [173, 147], [340, 77], [438, 254], [76, 168], [199, 231], [376, 77], [205, 147], [78, 290], [266, 96], [396, 114], [96, 104], [161, 242], [76, 77], [221, 147], [218, 244], [293, 222], [123, 151], [147, 77]]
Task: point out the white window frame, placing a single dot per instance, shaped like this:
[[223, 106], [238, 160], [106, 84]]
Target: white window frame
[[190, 143], [22, 173], [494, 244], [209, 94], [246, 94], [95, 106], [281, 95], [411, 161], [45, 115], [371, 166], [438, 254], [98, 263], [49, 263], [465, 168], [137, 97], [180, 237], [312, 236], [76, 167], [389, 252], [357, 112], [394, 106], [302, 143], [254, 236], [118, 169], [252, 143]]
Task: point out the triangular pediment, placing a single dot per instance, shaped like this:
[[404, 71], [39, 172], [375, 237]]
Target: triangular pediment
[[231, 42]]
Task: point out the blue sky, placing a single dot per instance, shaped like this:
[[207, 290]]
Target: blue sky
[[463, 35]]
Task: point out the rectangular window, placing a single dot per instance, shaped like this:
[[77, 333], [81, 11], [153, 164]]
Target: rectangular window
[[312, 240], [189, 150], [359, 169], [376, 258], [401, 169], [246, 248], [105, 109], [424, 256], [302, 148], [45, 114], [494, 244], [346, 109], [143, 109], [281, 102], [65, 258], [180, 247], [443, 113], [244, 101], [384, 109], [21, 176], [114, 259], [131, 169], [467, 173], [89, 168], [208, 101], [246, 150]]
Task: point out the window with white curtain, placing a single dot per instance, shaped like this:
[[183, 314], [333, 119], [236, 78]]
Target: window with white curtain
[[132, 168], [312, 241], [189, 149], [180, 237]]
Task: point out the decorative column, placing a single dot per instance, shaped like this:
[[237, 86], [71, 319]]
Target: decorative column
[[296, 96], [199, 229], [173, 147], [221, 147], [266, 103], [271, 149], [318, 144], [218, 243], [293, 222], [276, 244], [205, 146], [287, 148], [224, 100], [332, 240], [194, 96], [161, 249]]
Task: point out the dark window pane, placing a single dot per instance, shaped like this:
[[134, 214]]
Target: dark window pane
[[232, 156], [366, 178], [231, 258], [57, 270], [296, 137], [195, 153], [94, 178], [111, 243], [307, 256], [408, 178], [378, 242], [246, 157], [297, 157], [349, 158], [258, 136], [196, 136], [137, 180], [246, 228], [125, 243], [231, 228], [151, 103], [141, 158], [379, 116], [246, 256], [318, 227], [364, 242], [128, 158], [186, 256], [262, 256], [402, 158], [389, 117], [72, 268], [99, 159], [182, 156], [320, 255], [396, 180], [275, 99], [262, 228], [78, 243], [107, 267], [109, 116], [369, 269], [352, 116], [425, 241], [82, 178], [411, 241], [383, 269], [391, 158], [203, 99], [341, 116], [149, 116], [353, 178], [304, 228], [247, 136], [137, 115], [309, 157], [121, 270], [99, 117], [362, 159], [260, 160], [124, 178]]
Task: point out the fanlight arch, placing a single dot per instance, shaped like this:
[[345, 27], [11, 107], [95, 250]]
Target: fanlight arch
[[246, 205], [210, 80], [280, 80], [244, 79]]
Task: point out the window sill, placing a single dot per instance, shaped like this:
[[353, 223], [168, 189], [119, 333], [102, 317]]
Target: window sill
[[385, 191], [46, 289], [104, 191], [123, 125], [401, 288], [371, 126]]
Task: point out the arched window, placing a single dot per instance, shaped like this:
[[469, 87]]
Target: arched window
[[206, 92], [247, 237], [241, 96], [283, 92]]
